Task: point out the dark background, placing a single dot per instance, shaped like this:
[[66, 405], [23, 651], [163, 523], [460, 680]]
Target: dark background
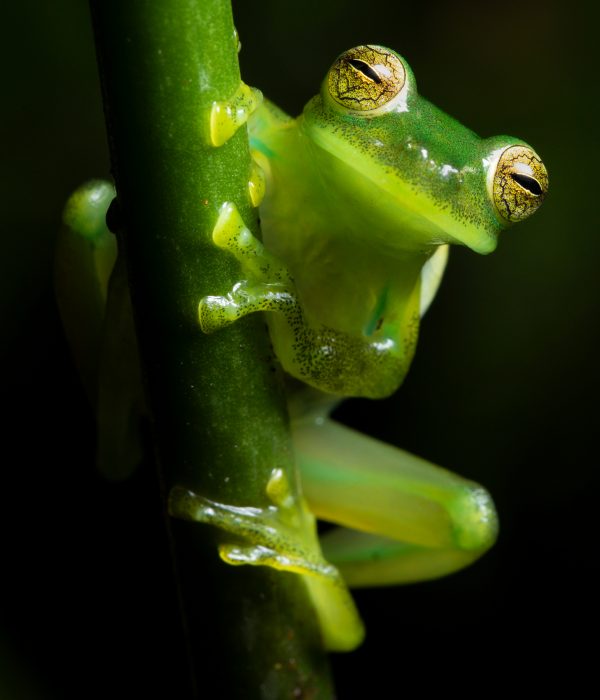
[[503, 389]]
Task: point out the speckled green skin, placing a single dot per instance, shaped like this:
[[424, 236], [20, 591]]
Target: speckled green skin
[[355, 206]]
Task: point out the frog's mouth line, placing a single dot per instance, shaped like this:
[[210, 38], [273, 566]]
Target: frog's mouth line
[[447, 228]]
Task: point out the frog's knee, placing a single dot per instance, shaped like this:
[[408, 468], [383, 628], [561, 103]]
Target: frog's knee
[[85, 210], [474, 519]]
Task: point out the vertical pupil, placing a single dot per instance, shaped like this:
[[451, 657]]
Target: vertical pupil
[[365, 69]]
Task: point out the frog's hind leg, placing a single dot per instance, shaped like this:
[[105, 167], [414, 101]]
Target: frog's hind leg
[[120, 406], [409, 519], [93, 299], [85, 256]]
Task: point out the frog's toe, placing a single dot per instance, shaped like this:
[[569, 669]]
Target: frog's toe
[[282, 560], [239, 555], [216, 312], [228, 116]]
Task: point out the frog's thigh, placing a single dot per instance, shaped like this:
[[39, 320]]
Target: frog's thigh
[[417, 521]]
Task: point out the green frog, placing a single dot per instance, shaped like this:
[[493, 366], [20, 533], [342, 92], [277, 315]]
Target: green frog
[[363, 193]]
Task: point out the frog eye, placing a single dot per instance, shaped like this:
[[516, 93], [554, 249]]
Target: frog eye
[[366, 78], [520, 183]]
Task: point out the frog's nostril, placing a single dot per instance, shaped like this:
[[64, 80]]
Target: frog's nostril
[[528, 183]]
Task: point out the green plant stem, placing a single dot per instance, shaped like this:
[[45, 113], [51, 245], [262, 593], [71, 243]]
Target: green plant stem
[[217, 403]]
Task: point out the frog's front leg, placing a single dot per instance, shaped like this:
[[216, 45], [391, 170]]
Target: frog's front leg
[[408, 520], [269, 285], [282, 536], [326, 358]]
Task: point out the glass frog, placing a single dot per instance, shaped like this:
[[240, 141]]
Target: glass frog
[[363, 193]]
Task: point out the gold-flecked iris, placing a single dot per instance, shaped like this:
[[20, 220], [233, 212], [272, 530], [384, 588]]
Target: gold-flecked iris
[[366, 78], [520, 183]]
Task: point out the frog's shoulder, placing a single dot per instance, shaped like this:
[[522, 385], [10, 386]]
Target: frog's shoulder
[[264, 121]]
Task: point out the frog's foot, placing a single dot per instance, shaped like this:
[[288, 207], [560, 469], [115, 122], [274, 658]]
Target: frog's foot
[[227, 116], [282, 536], [268, 287]]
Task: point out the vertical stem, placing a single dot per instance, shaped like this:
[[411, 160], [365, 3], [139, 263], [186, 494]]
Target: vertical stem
[[217, 402]]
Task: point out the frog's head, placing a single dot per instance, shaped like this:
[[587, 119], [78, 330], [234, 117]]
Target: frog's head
[[413, 168]]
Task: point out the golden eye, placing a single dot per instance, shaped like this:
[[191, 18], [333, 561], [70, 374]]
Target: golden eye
[[366, 77], [520, 183]]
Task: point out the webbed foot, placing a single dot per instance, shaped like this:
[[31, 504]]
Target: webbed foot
[[282, 536]]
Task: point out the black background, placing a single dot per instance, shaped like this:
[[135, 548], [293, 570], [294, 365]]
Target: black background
[[503, 389]]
